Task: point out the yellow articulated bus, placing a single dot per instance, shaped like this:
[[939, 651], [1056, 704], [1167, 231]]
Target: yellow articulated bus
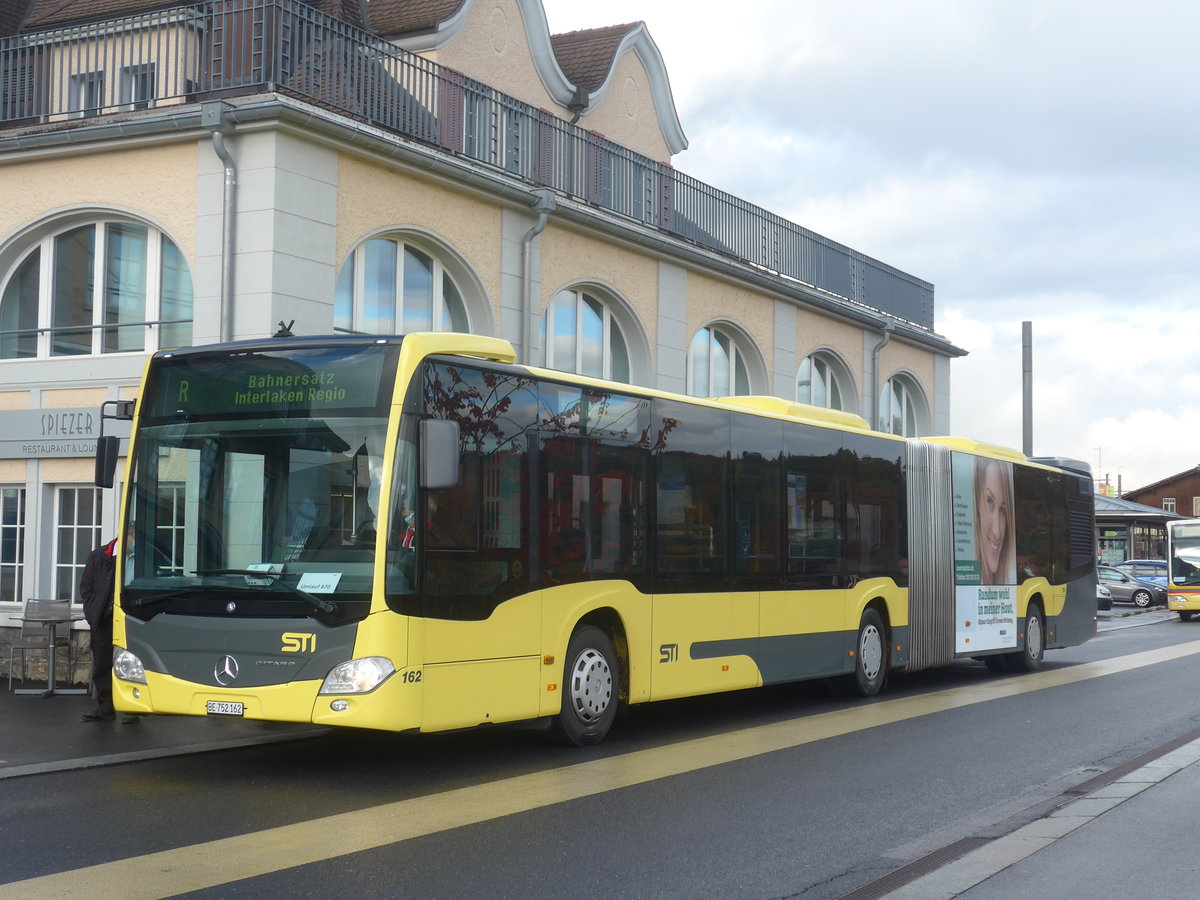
[[1183, 567], [412, 533]]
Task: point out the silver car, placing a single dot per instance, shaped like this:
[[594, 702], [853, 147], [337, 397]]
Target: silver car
[[1127, 589]]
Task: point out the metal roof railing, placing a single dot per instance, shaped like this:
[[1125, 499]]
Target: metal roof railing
[[227, 48]]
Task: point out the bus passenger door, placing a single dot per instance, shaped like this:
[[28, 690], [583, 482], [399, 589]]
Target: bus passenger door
[[705, 622]]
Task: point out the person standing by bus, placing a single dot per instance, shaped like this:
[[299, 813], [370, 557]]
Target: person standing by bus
[[96, 589]]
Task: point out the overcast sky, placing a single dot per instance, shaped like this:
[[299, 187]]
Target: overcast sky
[[1034, 159]]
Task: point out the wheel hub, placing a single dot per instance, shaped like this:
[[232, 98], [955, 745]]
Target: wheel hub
[[870, 651], [591, 685]]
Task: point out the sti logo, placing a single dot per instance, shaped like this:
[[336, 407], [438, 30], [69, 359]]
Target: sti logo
[[296, 642]]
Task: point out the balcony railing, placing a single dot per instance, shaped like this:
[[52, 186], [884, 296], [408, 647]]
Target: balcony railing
[[231, 47]]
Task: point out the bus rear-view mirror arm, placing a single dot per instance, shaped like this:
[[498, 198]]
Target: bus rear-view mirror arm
[[108, 446]]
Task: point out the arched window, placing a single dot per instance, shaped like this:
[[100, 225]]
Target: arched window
[[902, 408], [823, 381], [716, 365], [581, 335], [389, 285], [99, 287]]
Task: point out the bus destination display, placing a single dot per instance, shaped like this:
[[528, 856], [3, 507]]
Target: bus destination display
[[295, 383]]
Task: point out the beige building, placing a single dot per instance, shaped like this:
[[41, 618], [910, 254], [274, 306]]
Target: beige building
[[201, 173]]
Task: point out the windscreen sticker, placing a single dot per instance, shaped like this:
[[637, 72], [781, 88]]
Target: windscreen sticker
[[319, 582]]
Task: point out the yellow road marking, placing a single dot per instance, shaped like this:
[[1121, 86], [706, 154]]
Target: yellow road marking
[[213, 863]]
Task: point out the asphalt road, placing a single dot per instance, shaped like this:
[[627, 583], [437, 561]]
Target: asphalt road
[[782, 792]]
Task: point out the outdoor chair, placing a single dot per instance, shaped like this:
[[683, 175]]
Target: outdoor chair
[[35, 635]]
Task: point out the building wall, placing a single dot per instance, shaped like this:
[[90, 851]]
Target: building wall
[[626, 114], [491, 47], [130, 178], [1184, 489]]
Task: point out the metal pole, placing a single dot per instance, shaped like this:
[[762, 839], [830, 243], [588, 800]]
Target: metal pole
[[1027, 388]]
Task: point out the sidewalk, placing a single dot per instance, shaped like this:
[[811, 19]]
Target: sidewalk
[[1132, 837], [40, 734]]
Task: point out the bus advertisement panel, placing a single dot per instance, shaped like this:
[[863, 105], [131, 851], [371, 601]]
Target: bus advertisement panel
[[985, 572]]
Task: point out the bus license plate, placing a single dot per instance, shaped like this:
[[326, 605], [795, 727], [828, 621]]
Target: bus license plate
[[225, 708]]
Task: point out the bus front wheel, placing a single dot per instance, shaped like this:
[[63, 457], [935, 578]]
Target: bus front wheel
[[1185, 615], [870, 658], [591, 681]]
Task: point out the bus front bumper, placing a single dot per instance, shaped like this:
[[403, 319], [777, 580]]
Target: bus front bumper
[[1183, 602], [393, 706]]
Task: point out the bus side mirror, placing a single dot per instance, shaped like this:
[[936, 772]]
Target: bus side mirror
[[108, 447], [439, 454]]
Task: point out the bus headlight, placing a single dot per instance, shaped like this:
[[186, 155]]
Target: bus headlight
[[358, 676], [128, 667]]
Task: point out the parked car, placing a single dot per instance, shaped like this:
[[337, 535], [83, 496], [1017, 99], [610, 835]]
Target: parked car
[[1103, 596], [1127, 589], [1152, 570]]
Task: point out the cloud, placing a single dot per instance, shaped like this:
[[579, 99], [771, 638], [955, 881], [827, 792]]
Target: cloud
[[1034, 159], [1107, 389]]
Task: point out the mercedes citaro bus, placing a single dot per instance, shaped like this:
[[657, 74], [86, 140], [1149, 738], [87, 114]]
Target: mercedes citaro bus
[[413, 533]]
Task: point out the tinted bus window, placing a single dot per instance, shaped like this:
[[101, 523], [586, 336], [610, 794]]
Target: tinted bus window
[[1040, 545], [475, 535], [692, 471], [813, 505], [592, 510], [875, 527], [757, 499]]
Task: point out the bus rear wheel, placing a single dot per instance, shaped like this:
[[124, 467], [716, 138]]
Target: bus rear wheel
[[590, 688], [1029, 657], [870, 658]]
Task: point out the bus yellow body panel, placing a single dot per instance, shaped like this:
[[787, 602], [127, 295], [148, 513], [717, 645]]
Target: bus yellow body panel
[[1180, 599], [464, 694], [514, 629], [683, 621]]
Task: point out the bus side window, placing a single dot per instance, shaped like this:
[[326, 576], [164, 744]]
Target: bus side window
[[693, 473]]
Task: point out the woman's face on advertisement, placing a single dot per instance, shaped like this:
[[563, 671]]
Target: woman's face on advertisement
[[993, 516]]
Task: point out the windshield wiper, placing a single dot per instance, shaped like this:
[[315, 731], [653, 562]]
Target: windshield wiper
[[151, 599], [325, 606]]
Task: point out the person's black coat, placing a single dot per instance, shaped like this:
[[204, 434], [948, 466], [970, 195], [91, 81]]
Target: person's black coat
[[96, 585]]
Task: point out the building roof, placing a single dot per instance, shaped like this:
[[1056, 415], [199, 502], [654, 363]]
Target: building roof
[[391, 17], [1109, 507], [45, 13], [351, 11], [1168, 481], [587, 56], [12, 13]]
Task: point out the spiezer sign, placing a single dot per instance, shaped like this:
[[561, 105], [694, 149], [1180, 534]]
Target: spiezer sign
[[40, 433]]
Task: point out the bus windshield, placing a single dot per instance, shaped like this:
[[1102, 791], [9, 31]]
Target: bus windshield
[[1185, 554], [257, 482]]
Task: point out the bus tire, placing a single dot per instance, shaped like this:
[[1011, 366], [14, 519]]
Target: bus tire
[[590, 688], [870, 658], [1029, 657], [1185, 615]]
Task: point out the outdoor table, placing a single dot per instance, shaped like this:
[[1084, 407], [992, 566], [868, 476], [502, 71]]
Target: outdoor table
[[51, 623]]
